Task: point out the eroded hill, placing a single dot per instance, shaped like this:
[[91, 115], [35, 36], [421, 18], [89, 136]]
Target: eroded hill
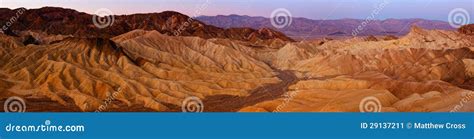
[[151, 70]]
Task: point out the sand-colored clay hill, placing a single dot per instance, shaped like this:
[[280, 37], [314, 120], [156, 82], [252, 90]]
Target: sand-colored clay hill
[[150, 70], [425, 71]]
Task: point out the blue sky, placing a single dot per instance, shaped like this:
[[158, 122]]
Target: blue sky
[[314, 9]]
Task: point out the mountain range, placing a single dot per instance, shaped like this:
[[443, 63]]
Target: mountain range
[[309, 28], [55, 20]]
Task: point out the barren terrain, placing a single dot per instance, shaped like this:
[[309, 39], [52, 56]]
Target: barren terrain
[[241, 69]]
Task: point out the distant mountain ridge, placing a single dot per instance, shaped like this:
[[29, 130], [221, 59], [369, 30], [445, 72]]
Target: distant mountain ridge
[[56, 20], [301, 27]]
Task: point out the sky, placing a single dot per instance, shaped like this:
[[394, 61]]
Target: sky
[[313, 9]]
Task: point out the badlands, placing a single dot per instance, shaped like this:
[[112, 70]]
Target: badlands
[[233, 70]]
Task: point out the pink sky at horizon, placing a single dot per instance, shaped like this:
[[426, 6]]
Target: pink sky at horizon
[[313, 9]]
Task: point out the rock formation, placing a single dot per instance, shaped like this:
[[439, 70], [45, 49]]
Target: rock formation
[[57, 61]]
